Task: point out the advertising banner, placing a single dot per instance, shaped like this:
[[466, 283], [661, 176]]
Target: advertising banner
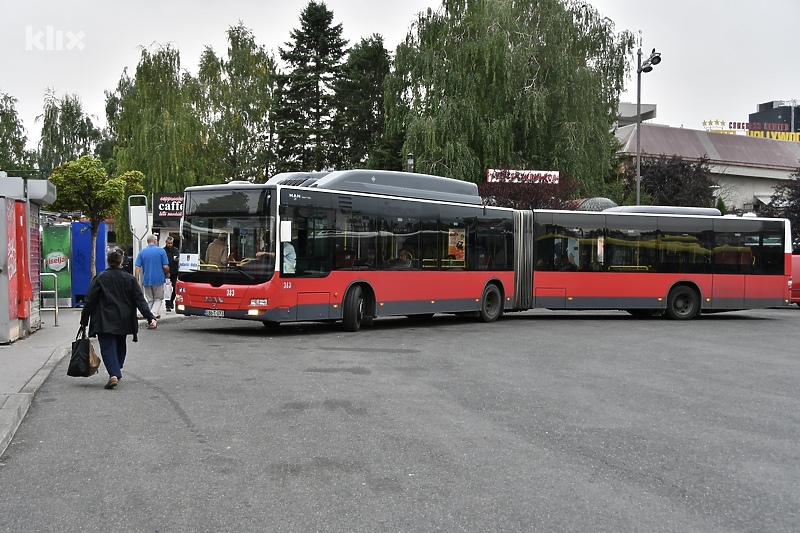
[[56, 253], [23, 270], [521, 176], [455, 245], [81, 258], [167, 209], [11, 263]]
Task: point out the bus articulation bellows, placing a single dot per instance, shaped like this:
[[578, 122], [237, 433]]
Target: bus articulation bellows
[[352, 246]]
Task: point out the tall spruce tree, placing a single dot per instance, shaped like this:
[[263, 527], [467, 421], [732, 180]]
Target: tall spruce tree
[[305, 104], [497, 84], [358, 123]]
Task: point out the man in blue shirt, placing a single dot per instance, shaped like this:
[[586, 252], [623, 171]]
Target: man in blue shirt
[[152, 269]]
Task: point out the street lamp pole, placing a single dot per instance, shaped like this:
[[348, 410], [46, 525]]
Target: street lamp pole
[[639, 127], [647, 66]]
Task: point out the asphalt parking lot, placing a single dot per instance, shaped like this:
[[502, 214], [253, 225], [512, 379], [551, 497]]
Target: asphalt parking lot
[[543, 421]]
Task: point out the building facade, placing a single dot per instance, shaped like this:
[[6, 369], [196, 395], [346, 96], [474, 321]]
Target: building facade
[[746, 167]]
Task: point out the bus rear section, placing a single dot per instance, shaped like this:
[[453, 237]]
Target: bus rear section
[[652, 264]]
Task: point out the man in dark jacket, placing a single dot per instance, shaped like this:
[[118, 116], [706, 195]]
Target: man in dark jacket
[[173, 255], [111, 302]]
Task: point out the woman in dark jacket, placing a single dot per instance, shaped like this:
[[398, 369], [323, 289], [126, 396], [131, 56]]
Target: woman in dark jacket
[[111, 302]]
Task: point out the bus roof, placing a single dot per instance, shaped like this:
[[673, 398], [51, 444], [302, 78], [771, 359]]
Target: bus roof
[[404, 184], [300, 179]]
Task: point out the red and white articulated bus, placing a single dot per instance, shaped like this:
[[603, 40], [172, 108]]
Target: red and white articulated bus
[[352, 246]]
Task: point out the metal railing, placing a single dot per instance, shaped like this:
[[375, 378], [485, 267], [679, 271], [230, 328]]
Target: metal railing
[[54, 292]]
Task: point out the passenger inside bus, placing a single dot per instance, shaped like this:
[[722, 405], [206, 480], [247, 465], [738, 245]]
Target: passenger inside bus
[[369, 261], [403, 261], [289, 258], [568, 264], [217, 252]]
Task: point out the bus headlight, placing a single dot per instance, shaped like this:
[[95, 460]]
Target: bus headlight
[[258, 302]]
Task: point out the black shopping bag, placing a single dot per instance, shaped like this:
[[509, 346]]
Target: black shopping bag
[[84, 362]]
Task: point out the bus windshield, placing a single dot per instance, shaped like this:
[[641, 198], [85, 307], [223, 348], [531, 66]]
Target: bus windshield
[[233, 234]]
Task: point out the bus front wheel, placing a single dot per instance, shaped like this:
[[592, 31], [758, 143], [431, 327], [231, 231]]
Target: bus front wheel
[[353, 312], [491, 304], [682, 303]]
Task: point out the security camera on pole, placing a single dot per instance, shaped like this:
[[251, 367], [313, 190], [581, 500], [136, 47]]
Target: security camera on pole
[[647, 66]]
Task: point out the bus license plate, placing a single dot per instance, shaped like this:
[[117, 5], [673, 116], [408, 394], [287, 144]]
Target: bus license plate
[[214, 312]]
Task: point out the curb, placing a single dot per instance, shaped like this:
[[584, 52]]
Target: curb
[[16, 406]]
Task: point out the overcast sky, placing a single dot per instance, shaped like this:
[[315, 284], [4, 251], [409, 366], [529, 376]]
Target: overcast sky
[[720, 57]]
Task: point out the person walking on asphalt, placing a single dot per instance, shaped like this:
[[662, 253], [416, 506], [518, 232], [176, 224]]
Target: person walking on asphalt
[[110, 312], [153, 264], [173, 255]]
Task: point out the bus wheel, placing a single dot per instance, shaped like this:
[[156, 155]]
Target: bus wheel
[[353, 309], [491, 304], [682, 303]]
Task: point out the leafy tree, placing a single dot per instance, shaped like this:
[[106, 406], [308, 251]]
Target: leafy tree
[[673, 181], [785, 203], [67, 131], [13, 155], [499, 84], [305, 105], [83, 185], [359, 122], [506, 192], [157, 128], [235, 103]]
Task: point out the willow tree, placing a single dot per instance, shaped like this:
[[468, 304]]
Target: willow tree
[[236, 95], [67, 131], [157, 130], [83, 185], [497, 84]]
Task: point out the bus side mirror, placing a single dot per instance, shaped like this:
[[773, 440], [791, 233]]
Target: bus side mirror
[[286, 231]]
